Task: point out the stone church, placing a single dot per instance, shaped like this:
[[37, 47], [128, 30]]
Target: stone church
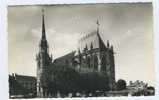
[[92, 55]]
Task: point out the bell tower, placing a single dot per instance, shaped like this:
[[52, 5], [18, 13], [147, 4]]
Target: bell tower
[[43, 63]]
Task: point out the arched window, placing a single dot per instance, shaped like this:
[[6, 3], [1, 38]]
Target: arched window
[[103, 63], [95, 62], [88, 62]]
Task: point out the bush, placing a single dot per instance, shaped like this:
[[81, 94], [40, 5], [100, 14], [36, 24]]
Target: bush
[[121, 84], [93, 81], [63, 79]]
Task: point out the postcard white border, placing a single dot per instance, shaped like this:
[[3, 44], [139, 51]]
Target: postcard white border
[[4, 95], [31, 2]]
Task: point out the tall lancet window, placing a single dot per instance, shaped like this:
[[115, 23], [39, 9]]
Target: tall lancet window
[[95, 62], [103, 63]]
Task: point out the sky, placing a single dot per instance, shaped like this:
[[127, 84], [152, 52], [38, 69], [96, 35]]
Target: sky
[[128, 27]]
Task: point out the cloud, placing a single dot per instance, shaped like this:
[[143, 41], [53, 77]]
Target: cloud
[[59, 43], [62, 43]]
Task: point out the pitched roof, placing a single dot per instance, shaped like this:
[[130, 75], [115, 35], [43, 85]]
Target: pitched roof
[[63, 59], [25, 78], [102, 46]]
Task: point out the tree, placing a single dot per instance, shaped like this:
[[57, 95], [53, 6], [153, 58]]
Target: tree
[[121, 84], [64, 79], [150, 91], [92, 81]]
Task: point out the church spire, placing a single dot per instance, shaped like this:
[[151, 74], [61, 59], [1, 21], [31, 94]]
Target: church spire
[[44, 60], [97, 26], [43, 42], [101, 42], [43, 26]]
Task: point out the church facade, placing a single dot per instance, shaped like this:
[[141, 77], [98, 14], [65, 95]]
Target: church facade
[[92, 55]]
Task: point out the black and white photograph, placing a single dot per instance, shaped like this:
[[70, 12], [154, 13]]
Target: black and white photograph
[[81, 50]]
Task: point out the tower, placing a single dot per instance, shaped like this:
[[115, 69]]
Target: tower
[[107, 63], [43, 62]]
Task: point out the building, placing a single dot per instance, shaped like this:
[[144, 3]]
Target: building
[[44, 60], [22, 85], [92, 56]]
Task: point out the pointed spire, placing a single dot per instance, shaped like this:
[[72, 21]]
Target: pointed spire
[[97, 26], [91, 45], [108, 43], [98, 23], [86, 47], [43, 43], [111, 47], [79, 52], [43, 26]]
